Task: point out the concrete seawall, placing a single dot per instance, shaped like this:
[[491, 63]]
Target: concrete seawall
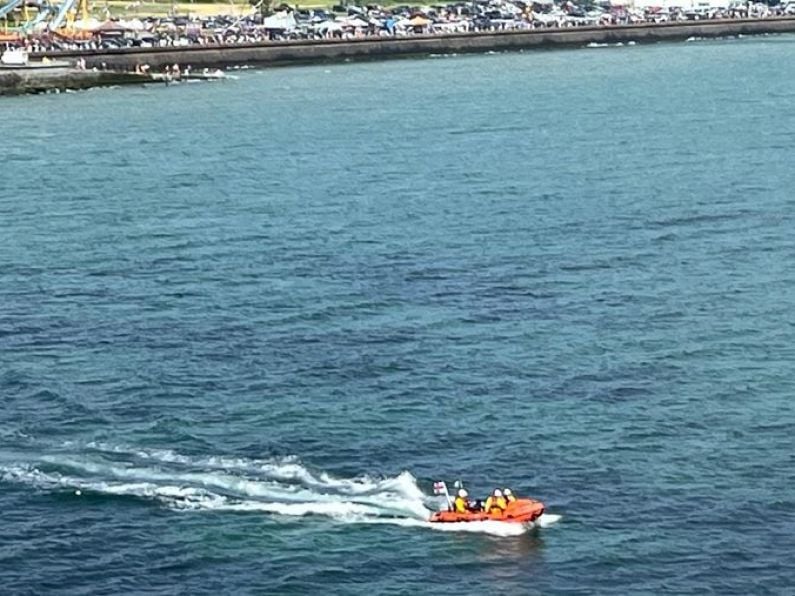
[[305, 52], [22, 81], [115, 65]]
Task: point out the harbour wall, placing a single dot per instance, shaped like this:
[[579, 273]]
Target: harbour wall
[[38, 80], [307, 52]]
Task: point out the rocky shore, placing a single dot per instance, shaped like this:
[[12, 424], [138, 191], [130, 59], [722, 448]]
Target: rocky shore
[[25, 81]]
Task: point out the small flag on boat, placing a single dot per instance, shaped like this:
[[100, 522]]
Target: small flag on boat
[[439, 488]]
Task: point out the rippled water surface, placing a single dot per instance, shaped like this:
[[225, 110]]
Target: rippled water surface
[[244, 326]]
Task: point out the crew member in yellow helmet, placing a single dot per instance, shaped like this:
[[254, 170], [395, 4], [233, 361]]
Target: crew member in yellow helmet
[[461, 504]]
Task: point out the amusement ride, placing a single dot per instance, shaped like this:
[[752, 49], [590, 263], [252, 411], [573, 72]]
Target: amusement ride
[[20, 19]]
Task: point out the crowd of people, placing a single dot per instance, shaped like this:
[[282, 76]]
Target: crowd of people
[[352, 22]]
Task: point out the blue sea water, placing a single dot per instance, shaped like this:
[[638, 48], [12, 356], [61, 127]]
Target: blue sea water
[[244, 326]]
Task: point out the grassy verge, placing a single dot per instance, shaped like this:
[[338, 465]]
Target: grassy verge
[[129, 9], [124, 9]]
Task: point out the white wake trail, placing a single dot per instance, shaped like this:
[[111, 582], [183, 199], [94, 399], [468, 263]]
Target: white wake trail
[[278, 486], [247, 485]]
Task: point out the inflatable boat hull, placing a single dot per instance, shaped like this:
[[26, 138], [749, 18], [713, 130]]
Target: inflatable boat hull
[[521, 511]]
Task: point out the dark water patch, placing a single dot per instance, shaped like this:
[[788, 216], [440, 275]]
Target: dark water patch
[[586, 267], [697, 219]]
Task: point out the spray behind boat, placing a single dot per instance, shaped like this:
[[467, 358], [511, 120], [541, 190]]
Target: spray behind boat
[[440, 489]]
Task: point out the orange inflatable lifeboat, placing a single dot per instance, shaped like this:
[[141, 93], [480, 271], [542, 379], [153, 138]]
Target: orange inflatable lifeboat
[[520, 511]]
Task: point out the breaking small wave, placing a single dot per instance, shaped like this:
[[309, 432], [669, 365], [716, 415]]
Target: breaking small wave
[[275, 486]]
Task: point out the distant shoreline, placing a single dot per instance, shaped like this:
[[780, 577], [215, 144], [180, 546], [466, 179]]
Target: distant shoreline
[[280, 53], [117, 66]]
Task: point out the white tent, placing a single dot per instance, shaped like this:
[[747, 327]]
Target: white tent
[[284, 21], [354, 22], [88, 25], [135, 24], [328, 26]]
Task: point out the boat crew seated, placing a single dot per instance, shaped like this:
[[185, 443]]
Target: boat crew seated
[[461, 502], [509, 496], [496, 503]]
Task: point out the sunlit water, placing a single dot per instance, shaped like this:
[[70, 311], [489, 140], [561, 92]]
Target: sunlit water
[[245, 325]]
